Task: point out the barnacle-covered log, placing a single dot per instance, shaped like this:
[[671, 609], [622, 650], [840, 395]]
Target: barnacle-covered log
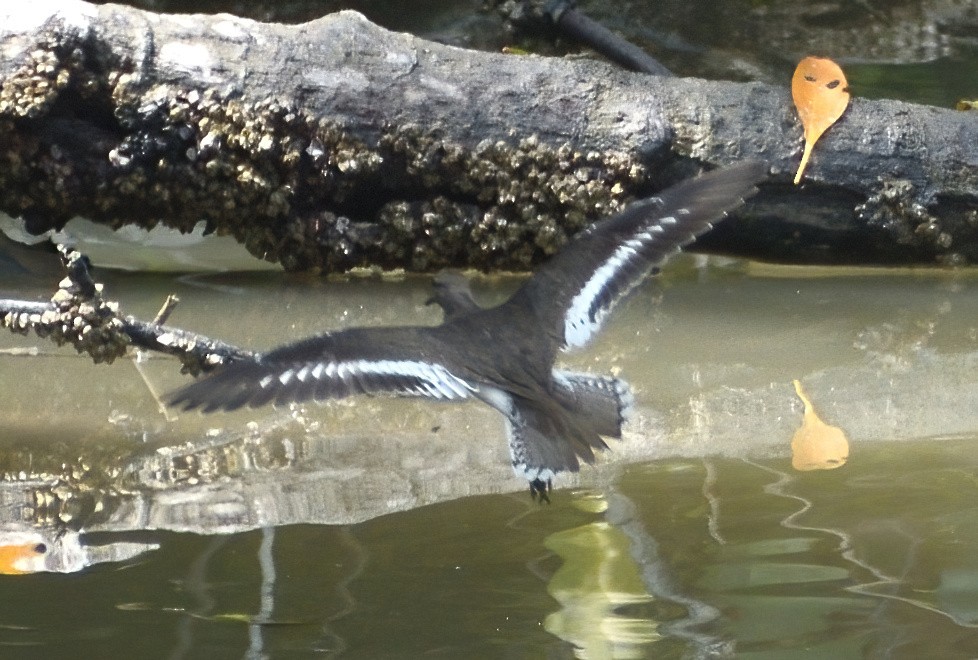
[[335, 144]]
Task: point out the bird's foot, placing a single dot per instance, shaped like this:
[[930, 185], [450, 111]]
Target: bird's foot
[[540, 488]]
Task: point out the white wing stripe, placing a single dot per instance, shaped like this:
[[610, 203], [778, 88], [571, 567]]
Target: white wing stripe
[[578, 324], [435, 380]]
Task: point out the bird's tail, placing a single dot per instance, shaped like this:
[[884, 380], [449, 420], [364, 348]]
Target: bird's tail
[[547, 439], [604, 402]]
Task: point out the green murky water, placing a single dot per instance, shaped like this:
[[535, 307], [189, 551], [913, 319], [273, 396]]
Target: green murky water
[[390, 528]]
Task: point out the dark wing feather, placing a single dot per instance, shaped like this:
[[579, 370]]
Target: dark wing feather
[[575, 290], [397, 361]]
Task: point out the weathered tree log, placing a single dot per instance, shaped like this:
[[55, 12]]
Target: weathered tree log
[[336, 144]]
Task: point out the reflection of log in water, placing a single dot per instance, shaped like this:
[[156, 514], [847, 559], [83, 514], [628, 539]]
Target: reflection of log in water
[[284, 470], [897, 385]]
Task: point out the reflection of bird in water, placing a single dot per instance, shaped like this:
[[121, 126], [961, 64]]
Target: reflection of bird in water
[[504, 355], [59, 551]]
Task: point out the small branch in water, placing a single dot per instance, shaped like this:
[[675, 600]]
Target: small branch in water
[[78, 315], [169, 305], [142, 355], [586, 30], [562, 16]]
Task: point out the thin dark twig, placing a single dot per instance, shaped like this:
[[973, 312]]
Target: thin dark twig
[[585, 29]]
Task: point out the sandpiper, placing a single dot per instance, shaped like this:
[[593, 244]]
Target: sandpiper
[[503, 355]]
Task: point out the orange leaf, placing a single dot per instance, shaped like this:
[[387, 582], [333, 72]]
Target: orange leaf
[[821, 95]]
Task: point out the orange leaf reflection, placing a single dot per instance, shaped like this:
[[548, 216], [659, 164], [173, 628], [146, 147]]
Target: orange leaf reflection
[[19, 558], [821, 95], [816, 445]]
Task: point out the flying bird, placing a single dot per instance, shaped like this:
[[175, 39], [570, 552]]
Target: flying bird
[[504, 355]]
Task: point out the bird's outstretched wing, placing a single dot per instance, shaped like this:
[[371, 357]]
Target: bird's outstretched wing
[[396, 361], [575, 290]]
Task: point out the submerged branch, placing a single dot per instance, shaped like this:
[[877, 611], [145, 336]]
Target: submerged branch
[[79, 315]]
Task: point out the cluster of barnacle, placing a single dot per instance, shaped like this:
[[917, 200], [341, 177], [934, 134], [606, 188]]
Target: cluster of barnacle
[[37, 173], [517, 202], [195, 156], [257, 172], [87, 322], [265, 174], [31, 90], [428, 234], [894, 208], [498, 205], [299, 190], [319, 240]]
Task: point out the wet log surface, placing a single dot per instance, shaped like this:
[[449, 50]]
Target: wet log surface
[[335, 144]]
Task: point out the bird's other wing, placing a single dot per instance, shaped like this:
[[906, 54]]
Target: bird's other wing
[[398, 361], [575, 290]]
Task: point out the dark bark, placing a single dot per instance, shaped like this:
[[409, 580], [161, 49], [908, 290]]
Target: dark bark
[[335, 144]]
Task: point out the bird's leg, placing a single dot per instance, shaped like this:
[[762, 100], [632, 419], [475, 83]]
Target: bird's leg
[[540, 488]]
